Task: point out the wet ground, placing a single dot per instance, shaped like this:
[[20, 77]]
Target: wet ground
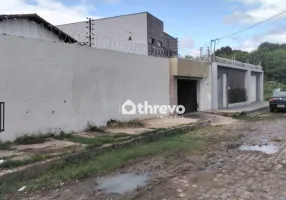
[[252, 165]]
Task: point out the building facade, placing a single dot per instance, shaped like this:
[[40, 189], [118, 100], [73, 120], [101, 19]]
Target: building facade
[[141, 31], [235, 83]]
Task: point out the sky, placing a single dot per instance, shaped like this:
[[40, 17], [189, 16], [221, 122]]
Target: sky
[[194, 22]]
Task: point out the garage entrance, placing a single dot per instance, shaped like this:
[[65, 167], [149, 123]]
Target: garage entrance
[[187, 94]]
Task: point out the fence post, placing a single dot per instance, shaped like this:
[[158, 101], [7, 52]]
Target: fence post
[[2, 116]]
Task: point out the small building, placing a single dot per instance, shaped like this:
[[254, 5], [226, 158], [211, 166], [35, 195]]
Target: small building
[[201, 85], [32, 26], [144, 31], [235, 83]]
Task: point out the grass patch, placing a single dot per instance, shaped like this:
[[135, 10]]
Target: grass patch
[[30, 139], [132, 123], [91, 128], [40, 138], [5, 145], [263, 116], [60, 136], [157, 130], [8, 164], [88, 163]]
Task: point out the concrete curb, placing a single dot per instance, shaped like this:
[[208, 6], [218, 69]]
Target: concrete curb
[[36, 169], [266, 108], [239, 113]]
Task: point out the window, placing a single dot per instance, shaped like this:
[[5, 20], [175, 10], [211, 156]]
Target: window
[[151, 40], [159, 43]]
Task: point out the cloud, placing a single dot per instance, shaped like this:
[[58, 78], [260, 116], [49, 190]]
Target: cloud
[[277, 35], [112, 1], [53, 11], [259, 10], [186, 43], [186, 46]]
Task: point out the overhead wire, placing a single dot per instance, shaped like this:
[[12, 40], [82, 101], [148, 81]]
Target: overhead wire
[[252, 26]]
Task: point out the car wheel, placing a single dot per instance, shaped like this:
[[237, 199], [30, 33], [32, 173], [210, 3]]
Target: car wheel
[[271, 109]]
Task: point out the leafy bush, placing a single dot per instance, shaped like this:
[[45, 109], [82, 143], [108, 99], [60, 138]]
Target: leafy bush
[[30, 139], [270, 86], [237, 95], [91, 128], [132, 123]]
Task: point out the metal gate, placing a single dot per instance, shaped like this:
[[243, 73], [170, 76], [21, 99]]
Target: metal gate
[[2, 116]]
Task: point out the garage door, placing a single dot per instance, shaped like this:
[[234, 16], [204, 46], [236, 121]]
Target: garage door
[[253, 89], [187, 94]]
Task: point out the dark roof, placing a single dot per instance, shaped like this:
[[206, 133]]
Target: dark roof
[[36, 18]]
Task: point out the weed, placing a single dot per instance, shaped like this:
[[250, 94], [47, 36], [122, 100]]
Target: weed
[[264, 116], [61, 136], [92, 128], [41, 138], [8, 164], [157, 130], [132, 123], [5, 145], [30, 139], [120, 135]]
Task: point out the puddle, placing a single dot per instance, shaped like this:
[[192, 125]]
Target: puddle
[[268, 149], [123, 183]]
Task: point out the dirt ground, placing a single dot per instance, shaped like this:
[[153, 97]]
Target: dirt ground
[[222, 172]]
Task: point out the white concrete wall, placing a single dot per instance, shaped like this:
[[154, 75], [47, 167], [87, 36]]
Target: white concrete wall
[[26, 28], [108, 29], [214, 84], [248, 85], [205, 93], [51, 86], [261, 88]]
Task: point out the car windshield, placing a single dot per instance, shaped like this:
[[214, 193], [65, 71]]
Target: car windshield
[[279, 94]]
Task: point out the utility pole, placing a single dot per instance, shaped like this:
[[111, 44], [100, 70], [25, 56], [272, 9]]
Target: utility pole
[[215, 42], [201, 52], [90, 29], [208, 52], [211, 48]]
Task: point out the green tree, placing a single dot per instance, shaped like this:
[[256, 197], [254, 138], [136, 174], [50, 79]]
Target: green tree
[[271, 56]]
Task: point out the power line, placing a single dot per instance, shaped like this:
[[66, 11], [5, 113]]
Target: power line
[[235, 33]]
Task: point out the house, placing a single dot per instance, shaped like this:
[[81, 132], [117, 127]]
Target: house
[[221, 84], [142, 29], [235, 83], [32, 26]]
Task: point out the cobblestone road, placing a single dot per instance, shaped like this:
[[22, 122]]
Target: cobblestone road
[[245, 174]]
